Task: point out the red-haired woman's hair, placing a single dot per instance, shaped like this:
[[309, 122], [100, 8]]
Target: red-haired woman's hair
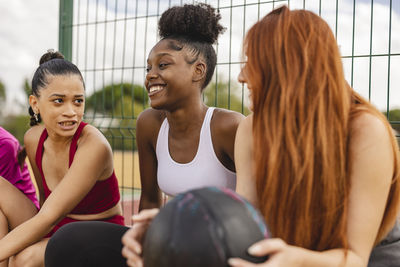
[[303, 109]]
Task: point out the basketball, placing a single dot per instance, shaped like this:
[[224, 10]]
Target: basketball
[[203, 227]]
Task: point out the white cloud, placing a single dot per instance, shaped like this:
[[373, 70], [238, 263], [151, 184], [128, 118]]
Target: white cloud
[[375, 87], [27, 30]]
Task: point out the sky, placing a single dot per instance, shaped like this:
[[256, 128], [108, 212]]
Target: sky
[[29, 28]]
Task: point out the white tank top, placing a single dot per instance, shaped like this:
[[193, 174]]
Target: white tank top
[[204, 170]]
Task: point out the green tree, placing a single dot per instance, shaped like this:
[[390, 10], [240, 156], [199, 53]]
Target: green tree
[[17, 125], [394, 118], [27, 87], [225, 95], [2, 97], [122, 99], [114, 109], [2, 91]]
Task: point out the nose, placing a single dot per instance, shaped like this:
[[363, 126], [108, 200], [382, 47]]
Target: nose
[[241, 78], [151, 74], [69, 110]]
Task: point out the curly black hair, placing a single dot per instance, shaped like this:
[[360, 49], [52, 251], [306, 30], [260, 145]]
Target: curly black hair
[[199, 23], [195, 27]]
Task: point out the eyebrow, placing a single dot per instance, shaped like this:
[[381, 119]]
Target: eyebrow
[[60, 95], [161, 55]]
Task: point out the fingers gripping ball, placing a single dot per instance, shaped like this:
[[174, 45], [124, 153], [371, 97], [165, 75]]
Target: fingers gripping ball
[[203, 227]]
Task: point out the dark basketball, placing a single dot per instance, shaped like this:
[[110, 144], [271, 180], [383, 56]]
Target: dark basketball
[[203, 227]]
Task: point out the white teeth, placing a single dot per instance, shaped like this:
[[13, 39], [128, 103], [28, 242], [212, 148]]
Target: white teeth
[[67, 123], [155, 88]]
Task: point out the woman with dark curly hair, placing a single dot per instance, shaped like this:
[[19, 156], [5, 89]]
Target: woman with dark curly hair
[[182, 143]]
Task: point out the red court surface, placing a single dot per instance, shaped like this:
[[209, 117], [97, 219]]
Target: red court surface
[[129, 207]]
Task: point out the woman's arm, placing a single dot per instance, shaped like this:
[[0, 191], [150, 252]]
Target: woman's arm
[[133, 238], [31, 140], [91, 160], [371, 177], [224, 125], [246, 184], [147, 127]]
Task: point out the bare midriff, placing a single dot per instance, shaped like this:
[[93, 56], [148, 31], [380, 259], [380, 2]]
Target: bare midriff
[[116, 210]]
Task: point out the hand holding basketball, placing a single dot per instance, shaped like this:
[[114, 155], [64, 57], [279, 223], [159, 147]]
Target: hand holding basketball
[[132, 239], [280, 254]]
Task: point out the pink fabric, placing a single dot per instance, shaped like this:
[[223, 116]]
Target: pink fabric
[[10, 169]]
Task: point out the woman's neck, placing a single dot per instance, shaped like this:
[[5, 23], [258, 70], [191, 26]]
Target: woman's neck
[[183, 120], [59, 143]]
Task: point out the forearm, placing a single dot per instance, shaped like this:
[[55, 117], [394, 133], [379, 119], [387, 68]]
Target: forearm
[[24, 235], [146, 203], [331, 258]]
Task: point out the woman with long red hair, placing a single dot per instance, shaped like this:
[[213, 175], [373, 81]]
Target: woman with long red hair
[[319, 161]]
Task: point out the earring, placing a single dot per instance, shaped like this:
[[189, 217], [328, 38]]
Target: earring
[[36, 117]]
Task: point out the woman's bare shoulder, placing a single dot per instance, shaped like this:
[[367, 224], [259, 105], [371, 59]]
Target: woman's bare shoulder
[[226, 120], [93, 136], [151, 116], [32, 135], [148, 124], [93, 146], [246, 126], [368, 128], [372, 148]]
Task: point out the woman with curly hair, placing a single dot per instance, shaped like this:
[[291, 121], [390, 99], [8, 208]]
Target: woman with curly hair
[[319, 161], [182, 143]]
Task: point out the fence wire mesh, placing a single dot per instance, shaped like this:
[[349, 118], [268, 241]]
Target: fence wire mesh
[[109, 40]]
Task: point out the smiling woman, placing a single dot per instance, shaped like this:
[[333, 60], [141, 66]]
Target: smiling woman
[[179, 134], [182, 143], [72, 164]]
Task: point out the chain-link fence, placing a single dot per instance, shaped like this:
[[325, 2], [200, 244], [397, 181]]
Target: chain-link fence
[[110, 40]]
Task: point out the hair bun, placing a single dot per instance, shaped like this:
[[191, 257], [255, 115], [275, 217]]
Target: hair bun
[[51, 54], [196, 22]]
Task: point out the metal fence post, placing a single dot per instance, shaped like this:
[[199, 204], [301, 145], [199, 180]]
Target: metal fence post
[[65, 28]]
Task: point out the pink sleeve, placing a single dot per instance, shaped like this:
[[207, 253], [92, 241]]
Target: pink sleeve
[[8, 161]]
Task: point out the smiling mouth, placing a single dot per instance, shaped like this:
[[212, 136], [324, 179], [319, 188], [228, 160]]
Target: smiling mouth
[[155, 89]]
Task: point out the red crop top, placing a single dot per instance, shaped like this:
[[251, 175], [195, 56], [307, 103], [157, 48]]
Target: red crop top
[[104, 194]]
